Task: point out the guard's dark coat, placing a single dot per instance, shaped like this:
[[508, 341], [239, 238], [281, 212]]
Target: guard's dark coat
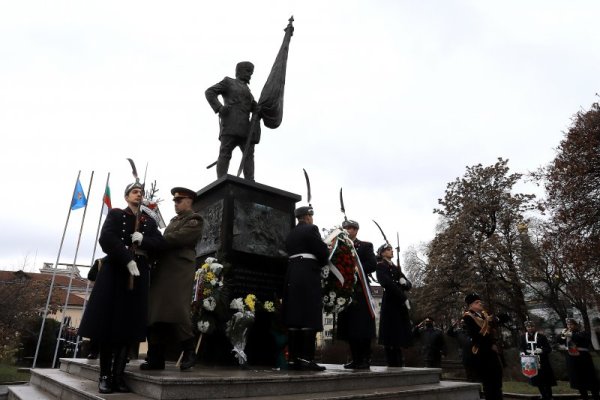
[[355, 322], [483, 359], [582, 375], [302, 296], [395, 327], [238, 104], [114, 313], [172, 279], [545, 376]]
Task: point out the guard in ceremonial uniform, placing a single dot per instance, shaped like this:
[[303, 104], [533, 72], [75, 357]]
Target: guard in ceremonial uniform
[[171, 282], [302, 296], [116, 314], [582, 374], [356, 325], [395, 326], [484, 354], [536, 344]]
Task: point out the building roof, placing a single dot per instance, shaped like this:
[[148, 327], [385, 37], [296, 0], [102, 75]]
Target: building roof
[[61, 284]]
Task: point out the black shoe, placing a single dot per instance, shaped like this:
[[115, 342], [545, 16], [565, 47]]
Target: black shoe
[[350, 365], [187, 360], [105, 385], [309, 365], [92, 356], [146, 366], [119, 385]]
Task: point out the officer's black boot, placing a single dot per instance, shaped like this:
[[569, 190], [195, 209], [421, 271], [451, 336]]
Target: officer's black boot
[[365, 354], [293, 348], [307, 357], [355, 353], [105, 381], [119, 365], [155, 359], [189, 355], [391, 357]]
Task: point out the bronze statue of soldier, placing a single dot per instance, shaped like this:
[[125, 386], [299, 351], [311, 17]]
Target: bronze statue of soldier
[[234, 117]]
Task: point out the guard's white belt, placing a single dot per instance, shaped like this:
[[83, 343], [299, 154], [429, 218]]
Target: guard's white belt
[[303, 255]]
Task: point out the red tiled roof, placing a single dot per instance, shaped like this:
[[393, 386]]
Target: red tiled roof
[[61, 284]]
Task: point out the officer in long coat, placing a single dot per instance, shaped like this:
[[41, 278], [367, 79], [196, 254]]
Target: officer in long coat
[[302, 295], [171, 284], [395, 326], [356, 325], [480, 327], [234, 117], [116, 314], [536, 343], [580, 366]]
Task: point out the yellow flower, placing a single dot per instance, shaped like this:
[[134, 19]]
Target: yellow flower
[[205, 267], [250, 301], [269, 306], [207, 292], [209, 276]]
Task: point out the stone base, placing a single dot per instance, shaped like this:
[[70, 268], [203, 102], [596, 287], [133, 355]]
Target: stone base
[[77, 379]]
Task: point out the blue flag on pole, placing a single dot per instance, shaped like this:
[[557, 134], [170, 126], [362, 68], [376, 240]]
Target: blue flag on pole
[[79, 199]]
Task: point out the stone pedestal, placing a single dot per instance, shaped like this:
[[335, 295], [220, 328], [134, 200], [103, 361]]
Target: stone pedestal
[[245, 226]]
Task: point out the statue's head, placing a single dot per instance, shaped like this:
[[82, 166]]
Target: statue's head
[[244, 70]]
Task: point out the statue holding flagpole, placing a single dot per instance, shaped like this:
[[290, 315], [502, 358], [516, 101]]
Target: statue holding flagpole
[[240, 114]]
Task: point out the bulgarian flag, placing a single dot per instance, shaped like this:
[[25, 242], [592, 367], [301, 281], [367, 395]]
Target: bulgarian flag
[[106, 204]]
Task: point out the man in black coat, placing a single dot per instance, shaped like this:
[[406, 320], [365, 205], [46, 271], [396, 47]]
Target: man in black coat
[[234, 117], [356, 325], [302, 296], [433, 342], [535, 343], [580, 366], [116, 314], [395, 326], [480, 327]]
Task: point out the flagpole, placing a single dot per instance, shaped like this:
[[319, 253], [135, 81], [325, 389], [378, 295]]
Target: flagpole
[[87, 288], [37, 348], [62, 322]]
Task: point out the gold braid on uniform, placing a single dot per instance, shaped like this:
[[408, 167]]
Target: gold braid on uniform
[[483, 324]]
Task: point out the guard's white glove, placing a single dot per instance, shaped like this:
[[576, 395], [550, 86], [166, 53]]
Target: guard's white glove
[[137, 237], [568, 334], [402, 281], [538, 351], [133, 269]]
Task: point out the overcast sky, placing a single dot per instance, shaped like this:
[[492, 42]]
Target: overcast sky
[[390, 100]]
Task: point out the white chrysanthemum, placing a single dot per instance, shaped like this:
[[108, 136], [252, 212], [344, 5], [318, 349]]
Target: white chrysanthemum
[[269, 306], [210, 260], [203, 326], [332, 295], [325, 299], [216, 267], [209, 303], [325, 272], [341, 301], [237, 304], [213, 282]]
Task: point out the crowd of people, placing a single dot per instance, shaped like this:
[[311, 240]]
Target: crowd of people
[[132, 302]]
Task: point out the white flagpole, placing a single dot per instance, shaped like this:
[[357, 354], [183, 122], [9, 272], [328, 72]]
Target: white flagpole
[[87, 288], [37, 348], [62, 322]]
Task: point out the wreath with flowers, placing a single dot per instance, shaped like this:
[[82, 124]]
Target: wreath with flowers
[[207, 295], [338, 277]]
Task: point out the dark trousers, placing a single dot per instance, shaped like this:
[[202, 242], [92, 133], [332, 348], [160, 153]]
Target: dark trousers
[[228, 144]]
